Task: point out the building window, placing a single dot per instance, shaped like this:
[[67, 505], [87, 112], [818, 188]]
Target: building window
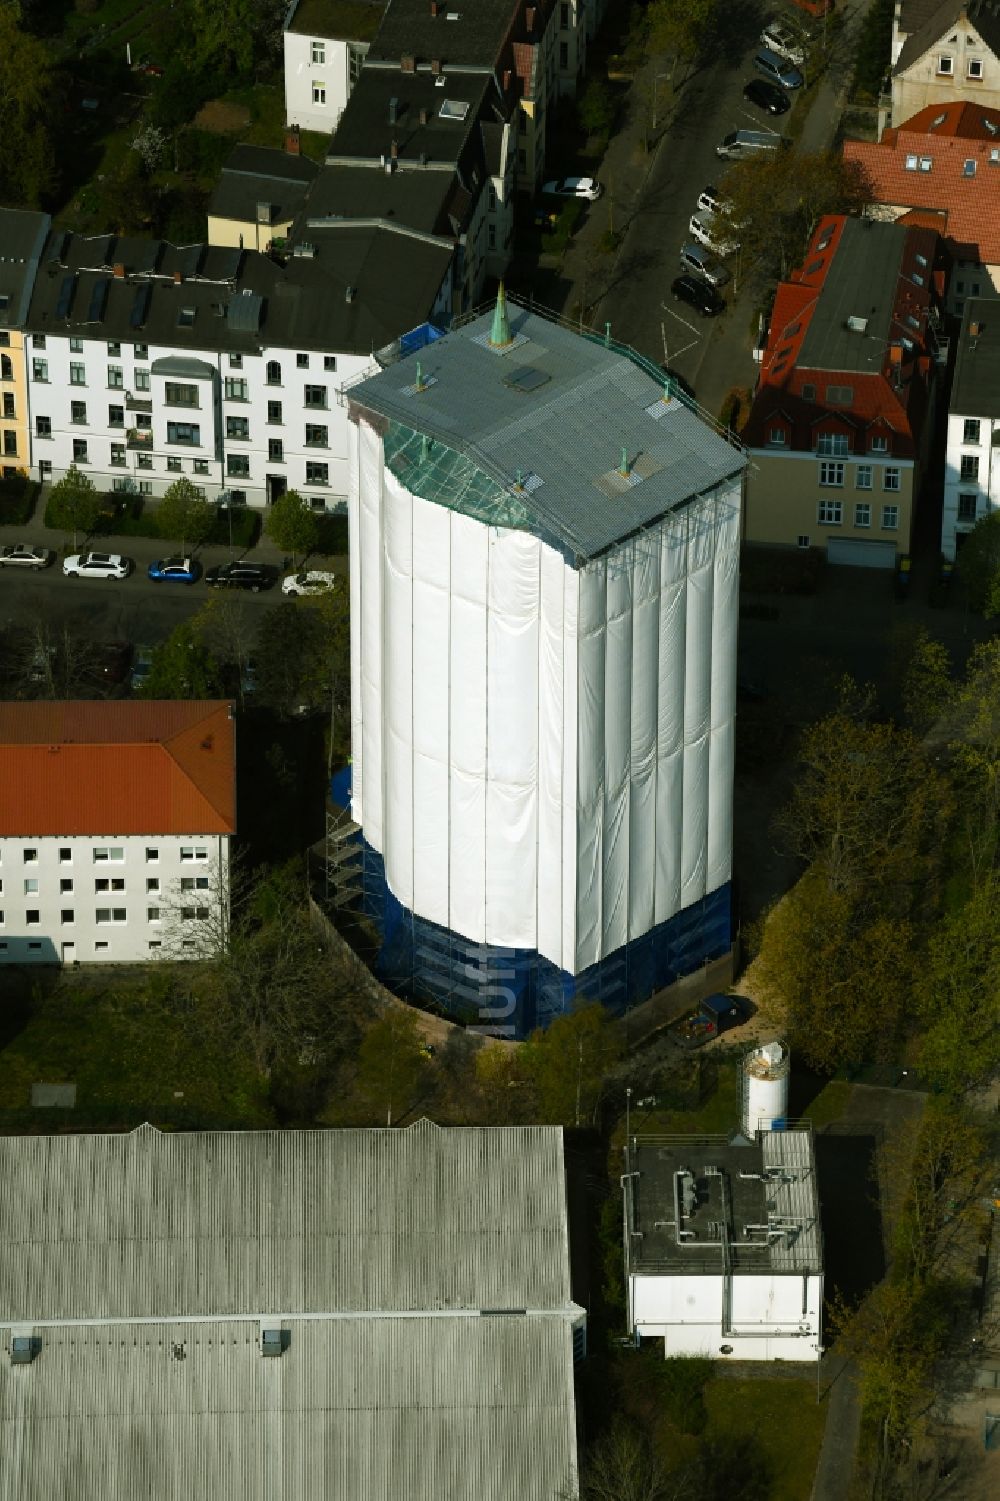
[[141, 378], [78, 412], [862, 514], [31, 917], [114, 349], [863, 477], [302, 362], [317, 474], [118, 455], [66, 886], [106, 915], [830, 512], [564, 55], [274, 411], [65, 854], [9, 410], [38, 341], [564, 16], [153, 914], [238, 427], [777, 437], [190, 852], [200, 466], [180, 396], [103, 852], [890, 479], [840, 396], [76, 346], [80, 451], [967, 507], [970, 432], [946, 65], [43, 427], [969, 167], [141, 351], [975, 68], [67, 915], [184, 432], [116, 416], [317, 53], [833, 445], [116, 377], [194, 883], [237, 390], [890, 518], [31, 856], [316, 435], [831, 474], [109, 883], [878, 444], [970, 466], [101, 948], [194, 914], [319, 93], [329, 362], [238, 465], [151, 854], [315, 396], [155, 944], [31, 886], [10, 451], [174, 466], [40, 370], [275, 451], [152, 883], [273, 373], [236, 362], [144, 461], [77, 375]]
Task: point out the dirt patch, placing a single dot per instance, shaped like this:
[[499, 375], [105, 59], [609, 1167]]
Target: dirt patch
[[222, 119]]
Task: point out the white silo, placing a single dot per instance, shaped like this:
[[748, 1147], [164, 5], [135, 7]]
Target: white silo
[[765, 1087], [544, 602]]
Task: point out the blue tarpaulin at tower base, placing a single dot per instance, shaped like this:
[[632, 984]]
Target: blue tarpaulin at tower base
[[512, 991]]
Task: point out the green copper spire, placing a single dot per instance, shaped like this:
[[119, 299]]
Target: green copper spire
[[500, 335]]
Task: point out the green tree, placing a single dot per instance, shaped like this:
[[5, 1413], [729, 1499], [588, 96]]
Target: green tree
[[597, 108], [184, 667], [776, 200], [979, 565], [392, 1066], [292, 525], [928, 684], [28, 100], [184, 515], [946, 1166], [684, 29], [302, 654], [957, 993], [234, 35], [74, 503], [568, 1063]]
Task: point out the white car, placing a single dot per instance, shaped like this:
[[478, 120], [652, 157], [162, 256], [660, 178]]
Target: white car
[[313, 582], [97, 565], [713, 234], [23, 556], [574, 187], [782, 39]]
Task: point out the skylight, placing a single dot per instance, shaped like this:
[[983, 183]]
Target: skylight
[[990, 126], [969, 167]]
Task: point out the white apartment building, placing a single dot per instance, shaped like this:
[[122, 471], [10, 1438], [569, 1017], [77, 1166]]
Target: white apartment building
[[115, 829], [972, 454], [570, 24], [148, 361], [325, 44]]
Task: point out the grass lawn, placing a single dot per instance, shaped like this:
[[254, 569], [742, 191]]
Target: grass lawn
[[131, 1059], [784, 1421], [831, 1102], [266, 103]]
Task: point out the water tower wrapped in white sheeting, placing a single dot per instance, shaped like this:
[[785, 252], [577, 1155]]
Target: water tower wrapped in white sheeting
[[765, 1088]]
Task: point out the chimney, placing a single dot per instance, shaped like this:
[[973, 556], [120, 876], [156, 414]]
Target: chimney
[[506, 80], [349, 294], [293, 142], [178, 278], [394, 149], [407, 63], [423, 117], [435, 66], [393, 110], [119, 271], [434, 7], [529, 18]]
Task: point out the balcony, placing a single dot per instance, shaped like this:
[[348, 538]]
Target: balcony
[[138, 403], [139, 438]]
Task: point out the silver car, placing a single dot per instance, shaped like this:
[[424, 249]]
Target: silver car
[[97, 565], [313, 582], [21, 555]]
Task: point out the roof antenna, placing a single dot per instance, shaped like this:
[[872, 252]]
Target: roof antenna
[[500, 335]]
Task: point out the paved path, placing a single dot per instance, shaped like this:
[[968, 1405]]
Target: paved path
[[838, 1387]]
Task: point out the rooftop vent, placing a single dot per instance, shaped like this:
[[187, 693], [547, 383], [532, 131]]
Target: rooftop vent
[[453, 109], [350, 293], [24, 1348], [393, 110], [526, 378], [304, 250], [976, 328], [274, 1342], [857, 325], [265, 212]]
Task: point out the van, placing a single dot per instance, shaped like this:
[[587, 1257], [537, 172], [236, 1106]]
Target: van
[[777, 69], [713, 234], [740, 143], [696, 258]]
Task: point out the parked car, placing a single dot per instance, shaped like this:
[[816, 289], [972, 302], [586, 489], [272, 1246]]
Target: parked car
[[783, 40], [711, 201], [574, 187], [23, 555], [697, 294], [313, 582], [252, 576], [777, 69], [767, 96], [695, 258], [142, 666], [97, 565], [715, 234], [175, 570]]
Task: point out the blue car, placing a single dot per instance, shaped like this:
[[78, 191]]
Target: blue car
[[175, 570]]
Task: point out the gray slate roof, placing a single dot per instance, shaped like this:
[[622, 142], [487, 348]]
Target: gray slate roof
[[208, 1224], [351, 20], [365, 130], [260, 174], [472, 40], [418, 199], [862, 282], [927, 24], [975, 390], [558, 407], [22, 237]]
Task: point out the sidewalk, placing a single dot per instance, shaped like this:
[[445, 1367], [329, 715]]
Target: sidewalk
[[839, 1388]]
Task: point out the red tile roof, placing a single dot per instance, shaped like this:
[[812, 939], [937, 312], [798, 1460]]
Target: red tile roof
[[156, 767], [971, 204]]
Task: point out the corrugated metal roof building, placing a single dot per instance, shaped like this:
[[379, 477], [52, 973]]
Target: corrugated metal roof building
[[417, 1284]]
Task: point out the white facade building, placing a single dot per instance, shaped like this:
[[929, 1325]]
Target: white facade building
[[147, 362], [115, 830], [972, 453], [723, 1247], [322, 64], [543, 645]]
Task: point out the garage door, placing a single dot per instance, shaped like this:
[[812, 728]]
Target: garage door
[[860, 554]]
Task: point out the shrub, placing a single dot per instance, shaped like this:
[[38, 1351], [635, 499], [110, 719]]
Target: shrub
[[17, 499], [681, 1382]]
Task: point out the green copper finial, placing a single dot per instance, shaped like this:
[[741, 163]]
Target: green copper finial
[[425, 448], [623, 470], [420, 377], [500, 335], [519, 482]]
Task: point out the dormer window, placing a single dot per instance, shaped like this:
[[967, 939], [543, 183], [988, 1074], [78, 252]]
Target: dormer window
[[777, 437], [946, 65], [975, 69], [878, 444]]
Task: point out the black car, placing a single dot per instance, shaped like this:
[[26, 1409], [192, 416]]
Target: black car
[[697, 294], [252, 576], [767, 96]]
